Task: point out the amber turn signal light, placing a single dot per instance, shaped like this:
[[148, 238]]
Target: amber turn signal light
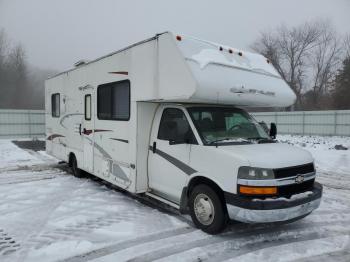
[[250, 190]]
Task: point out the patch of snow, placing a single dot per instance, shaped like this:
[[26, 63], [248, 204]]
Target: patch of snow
[[49, 215], [327, 158], [62, 249], [13, 156]]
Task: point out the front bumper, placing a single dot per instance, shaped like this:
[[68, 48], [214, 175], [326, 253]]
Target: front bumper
[[273, 210]]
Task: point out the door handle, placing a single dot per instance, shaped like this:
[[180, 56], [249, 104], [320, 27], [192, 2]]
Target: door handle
[[154, 148]]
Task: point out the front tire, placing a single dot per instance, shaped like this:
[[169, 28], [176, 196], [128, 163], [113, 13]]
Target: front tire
[[75, 170], [207, 210]]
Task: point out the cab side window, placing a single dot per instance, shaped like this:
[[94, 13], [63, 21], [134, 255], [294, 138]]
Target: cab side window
[[175, 127]]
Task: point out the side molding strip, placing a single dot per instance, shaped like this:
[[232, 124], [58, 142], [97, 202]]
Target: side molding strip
[[179, 164]]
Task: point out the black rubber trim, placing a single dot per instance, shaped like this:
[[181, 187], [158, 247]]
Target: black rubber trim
[[179, 164], [249, 203]]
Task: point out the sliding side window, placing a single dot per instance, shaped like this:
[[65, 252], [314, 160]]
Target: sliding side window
[[55, 105], [113, 101]]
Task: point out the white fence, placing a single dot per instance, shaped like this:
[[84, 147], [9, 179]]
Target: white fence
[[309, 122], [31, 123], [22, 123]]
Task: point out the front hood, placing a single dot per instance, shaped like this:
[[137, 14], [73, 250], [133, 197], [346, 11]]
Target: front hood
[[274, 155]]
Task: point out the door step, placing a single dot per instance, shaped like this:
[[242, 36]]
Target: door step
[[172, 204]]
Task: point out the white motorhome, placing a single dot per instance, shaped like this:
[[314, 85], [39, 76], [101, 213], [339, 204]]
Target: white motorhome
[[161, 118]]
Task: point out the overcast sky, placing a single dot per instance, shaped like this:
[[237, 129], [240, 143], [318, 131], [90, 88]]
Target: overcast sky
[[57, 33]]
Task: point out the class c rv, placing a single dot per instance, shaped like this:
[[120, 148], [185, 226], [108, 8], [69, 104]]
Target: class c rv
[[164, 118]]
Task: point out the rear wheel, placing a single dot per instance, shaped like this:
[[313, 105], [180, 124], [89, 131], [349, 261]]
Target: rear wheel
[[207, 210], [74, 166]]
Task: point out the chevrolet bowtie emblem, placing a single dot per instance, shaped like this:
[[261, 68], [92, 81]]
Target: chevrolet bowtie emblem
[[299, 179]]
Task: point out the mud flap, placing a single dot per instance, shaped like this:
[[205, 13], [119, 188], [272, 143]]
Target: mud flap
[[184, 202]]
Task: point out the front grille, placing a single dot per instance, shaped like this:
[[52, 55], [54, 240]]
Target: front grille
[[294, 170], [289, 190]]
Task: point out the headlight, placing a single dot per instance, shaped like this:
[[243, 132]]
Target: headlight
[[246, 172]]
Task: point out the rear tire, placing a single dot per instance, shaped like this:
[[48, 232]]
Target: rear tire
[[75, 170], [207, 210]]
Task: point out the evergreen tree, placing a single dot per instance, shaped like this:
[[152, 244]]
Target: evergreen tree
[[341, 92]]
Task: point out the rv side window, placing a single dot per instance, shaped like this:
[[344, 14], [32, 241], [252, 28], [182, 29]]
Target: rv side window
[[113, 101], [175, 127], [87, 107], [55, 105]]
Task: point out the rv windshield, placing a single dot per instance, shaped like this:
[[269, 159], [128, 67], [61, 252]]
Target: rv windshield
[[225, 125]]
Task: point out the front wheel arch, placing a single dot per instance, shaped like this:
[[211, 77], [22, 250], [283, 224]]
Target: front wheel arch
[[206, 181]]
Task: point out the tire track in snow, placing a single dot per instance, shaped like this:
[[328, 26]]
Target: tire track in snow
[[274, 242], [229, 249], [294, 250], [129, 243], [8, 244], [37, 226], [270, 231], [343, 255]]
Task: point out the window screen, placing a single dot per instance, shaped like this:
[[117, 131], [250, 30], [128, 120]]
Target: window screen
[[113, 101], [88, 107], [55, 105]]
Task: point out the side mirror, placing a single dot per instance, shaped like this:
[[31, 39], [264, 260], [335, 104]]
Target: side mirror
[[273, 130]]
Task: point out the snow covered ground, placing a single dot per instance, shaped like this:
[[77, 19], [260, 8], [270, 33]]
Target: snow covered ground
[[49, 215]]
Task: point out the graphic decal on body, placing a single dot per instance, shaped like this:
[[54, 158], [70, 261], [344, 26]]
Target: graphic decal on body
[[53, 136], [120, 140], [68, 116], [114, 168], [179, 164]]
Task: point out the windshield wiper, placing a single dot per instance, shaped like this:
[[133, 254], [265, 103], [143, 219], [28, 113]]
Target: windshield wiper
[[262, 139]]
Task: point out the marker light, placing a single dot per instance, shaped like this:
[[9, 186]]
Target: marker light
[[240, 53], [230, 51], [221, 48], [178, 38], [250, 190]]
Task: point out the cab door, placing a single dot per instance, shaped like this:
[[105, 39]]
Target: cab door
[[169, 156], [88, 134]]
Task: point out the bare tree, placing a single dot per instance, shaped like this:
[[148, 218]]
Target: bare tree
[[21, 86], [324, 62], [347, 45], [289, 50]]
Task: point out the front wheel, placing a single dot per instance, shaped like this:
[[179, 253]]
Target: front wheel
[[207, 210]]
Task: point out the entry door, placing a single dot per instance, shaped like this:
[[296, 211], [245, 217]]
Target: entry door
[[168, 161], [88, 134]]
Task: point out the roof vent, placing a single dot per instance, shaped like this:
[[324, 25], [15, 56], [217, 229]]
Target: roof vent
[[81, 62]]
